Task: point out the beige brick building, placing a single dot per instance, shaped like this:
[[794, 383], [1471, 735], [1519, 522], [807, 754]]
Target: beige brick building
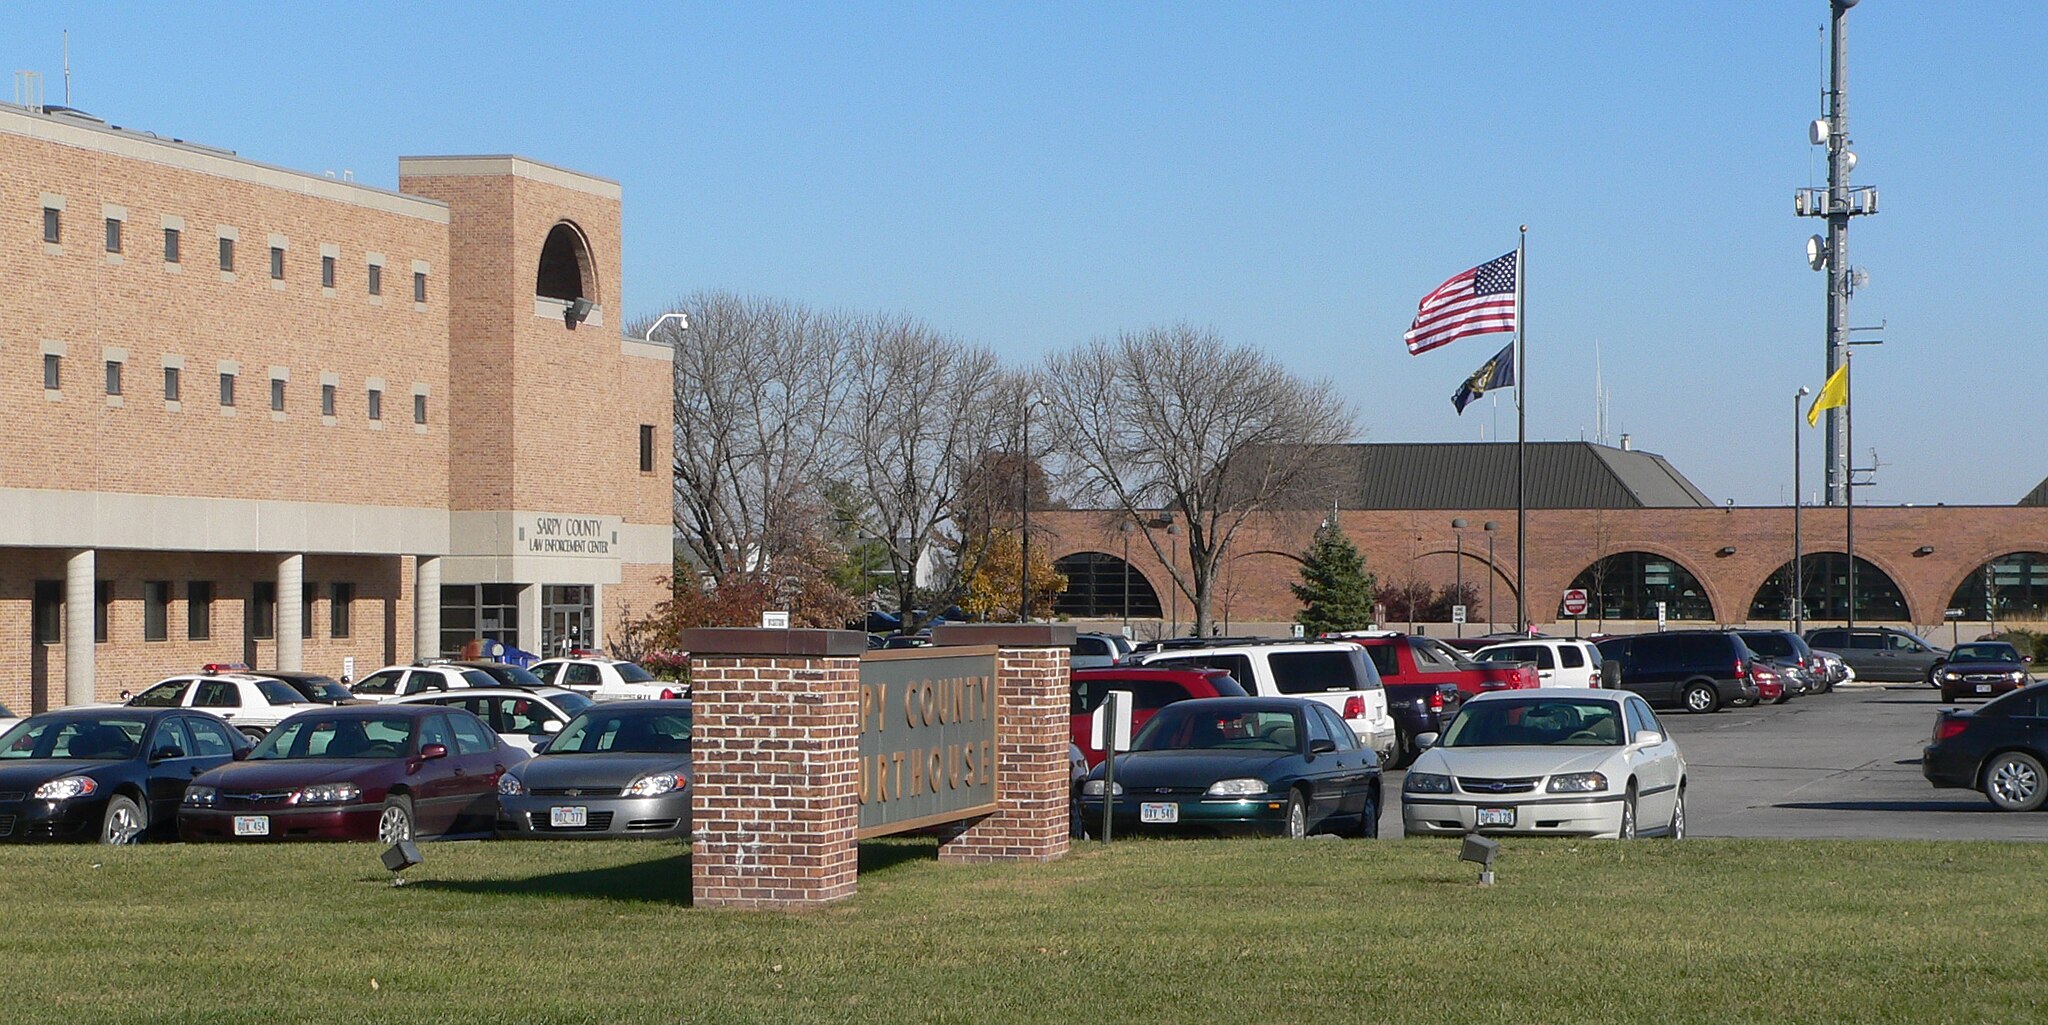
[[256, 414]]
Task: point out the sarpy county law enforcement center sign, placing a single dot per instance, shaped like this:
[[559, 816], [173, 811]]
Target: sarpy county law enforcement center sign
[[927, 738]]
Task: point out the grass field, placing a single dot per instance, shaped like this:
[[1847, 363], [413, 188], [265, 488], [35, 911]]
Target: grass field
[[1224, 931]]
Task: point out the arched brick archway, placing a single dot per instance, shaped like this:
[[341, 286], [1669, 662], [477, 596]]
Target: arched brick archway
[[1627, 583], [567, 271], [2016, 576]]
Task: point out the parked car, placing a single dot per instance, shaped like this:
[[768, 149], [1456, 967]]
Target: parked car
[[1420, 708], [1881, 653], [1554, 762], [1982, 669], [1407, 658], [1336, 673], [520, 717], [505, 673], [398, 681], [1770, 684], [1560, 661], [318, 688], [1698, 670], [607, 679], [252, 703], [2000, 748], [114, 775], [1151, 690], [1096, 650], [1285, 766], [620, 768], [1834, 671], [1790, 652], [385, 772]]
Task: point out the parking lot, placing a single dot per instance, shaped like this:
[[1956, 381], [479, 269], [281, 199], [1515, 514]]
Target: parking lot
[[1844, 765]]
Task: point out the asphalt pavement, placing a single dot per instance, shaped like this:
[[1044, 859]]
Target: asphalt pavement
[[1844, 765]]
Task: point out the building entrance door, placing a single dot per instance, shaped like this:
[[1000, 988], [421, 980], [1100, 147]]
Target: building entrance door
[[566, 611]]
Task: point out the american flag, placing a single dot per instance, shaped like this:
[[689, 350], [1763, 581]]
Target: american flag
[[1477, 302]]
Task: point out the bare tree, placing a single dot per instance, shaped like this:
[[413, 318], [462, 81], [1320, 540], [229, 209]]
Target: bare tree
[[1173, 420]]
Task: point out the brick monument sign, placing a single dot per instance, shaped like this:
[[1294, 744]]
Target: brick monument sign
[[804, 743]]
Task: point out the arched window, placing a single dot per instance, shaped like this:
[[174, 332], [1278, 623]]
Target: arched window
[[2013, 586], [1825, 578], [1628, 585], [565, 270], [1102, 586]]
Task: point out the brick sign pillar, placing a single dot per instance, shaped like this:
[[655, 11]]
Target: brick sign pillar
[[774, 757], [1034, 697]]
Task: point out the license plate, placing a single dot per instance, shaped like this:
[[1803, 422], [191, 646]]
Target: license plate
[[1983, 688], [568, 817], [1496, 817], [252, 825], [1159, 811]]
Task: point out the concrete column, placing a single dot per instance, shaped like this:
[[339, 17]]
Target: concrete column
[[426, 607], [595, 640], [529, 620], [1034, 693], [291, 612], [78, 616]]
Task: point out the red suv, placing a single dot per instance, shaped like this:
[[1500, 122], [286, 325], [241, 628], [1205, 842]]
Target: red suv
[[1151, 690]]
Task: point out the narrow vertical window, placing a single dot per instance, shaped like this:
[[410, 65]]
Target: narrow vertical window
[[227, 254], [376, 280], [277, 394], [170, 245], [227, 389], [376, 404], [53, 371], [198, 610], [327, 272], [277, 263], [113, 234], [53, 225], [102, 609], [341, 599], [156, 609], [419, 409], [113, 377], [47, 612], [307, 594], [172, 387], [326, 400], [419, 286], [646, 448], [263, 610]]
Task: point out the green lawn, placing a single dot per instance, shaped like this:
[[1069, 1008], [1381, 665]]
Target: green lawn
[[1225, 931]]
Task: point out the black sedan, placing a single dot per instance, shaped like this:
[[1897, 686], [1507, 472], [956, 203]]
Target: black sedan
[[1286, 766], [619, 769], [1981, 669], [2000, 748], [114, 775]]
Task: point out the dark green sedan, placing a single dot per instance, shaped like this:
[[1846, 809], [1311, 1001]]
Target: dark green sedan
[[1277, 766]]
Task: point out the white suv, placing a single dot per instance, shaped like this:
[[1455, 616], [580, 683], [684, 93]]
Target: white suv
[[251, 702], [1560, 661], [398, 681], [1336, 673], [607, 679]]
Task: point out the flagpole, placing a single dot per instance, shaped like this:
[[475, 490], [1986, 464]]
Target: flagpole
[[1521, 435]]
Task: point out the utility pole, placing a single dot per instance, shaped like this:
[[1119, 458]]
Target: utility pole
[[1838, 202]]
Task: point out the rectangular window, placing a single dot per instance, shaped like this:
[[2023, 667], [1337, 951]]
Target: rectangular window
[[113, 377], [172, 387], [327, 272], [156, 609], [308, 593], [113, 234], [47, 612], [53, 225], [419, 286], [376, 280], [198, 610], [276, 263], [102, 609], [326, 400], [646, 448], [170, 245], [419, 409], [277, 394], [263, 610], [340, 598], [227, 254], [53, 371], [376, 404], [227, 389]]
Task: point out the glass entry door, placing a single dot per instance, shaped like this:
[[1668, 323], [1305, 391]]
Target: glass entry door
[[566, 614]]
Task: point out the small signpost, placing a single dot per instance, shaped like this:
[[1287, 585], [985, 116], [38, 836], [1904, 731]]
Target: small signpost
[[1955, 626], [1109, 731], [1300, 631], [1458, 618], [1575, 606], [774, 620]]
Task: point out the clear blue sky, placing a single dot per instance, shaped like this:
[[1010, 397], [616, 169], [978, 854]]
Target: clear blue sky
[[1294, 175]]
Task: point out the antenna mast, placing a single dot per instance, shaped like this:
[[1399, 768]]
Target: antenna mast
[[67, 67]]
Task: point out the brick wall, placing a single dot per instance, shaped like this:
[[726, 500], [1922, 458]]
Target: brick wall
[[1034, 698]]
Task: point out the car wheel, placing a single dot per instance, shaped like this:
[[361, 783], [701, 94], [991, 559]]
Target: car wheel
[[395, 822], [1297, 816], [1677, 829], [1628, 816], [1369, 819], [124, 823], [2013, 781], [1701, 698], [1782, 697], [255, 735]]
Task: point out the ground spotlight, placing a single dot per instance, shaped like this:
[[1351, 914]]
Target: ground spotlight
[[401, 856], [1480, 851]]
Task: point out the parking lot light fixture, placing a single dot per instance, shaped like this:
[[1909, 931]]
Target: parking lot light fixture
[[1480, 851]]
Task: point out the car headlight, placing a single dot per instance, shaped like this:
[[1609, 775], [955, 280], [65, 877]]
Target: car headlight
[[1093, 788], [201, 797], [1246, 787], [327, 793], [2019, 676], [1951, 676], [654, 784], [66, 788], [510, 786], [1577, 783], [1427, 783]]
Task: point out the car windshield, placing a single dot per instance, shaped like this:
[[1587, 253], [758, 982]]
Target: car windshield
[[632, 673], [511, 675], [1773, 644], [639, 730], [99, 739], [1985, 652], [312, 737], [571, 702], [1536, 722], [321, 688], [167, 694], [1181, 727], [278, 692]]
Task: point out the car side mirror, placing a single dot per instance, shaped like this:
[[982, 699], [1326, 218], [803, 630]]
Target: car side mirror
[[433, 751], [1648, 737], [552, 726], [1425, 741], [166, 753], [1320, 746]]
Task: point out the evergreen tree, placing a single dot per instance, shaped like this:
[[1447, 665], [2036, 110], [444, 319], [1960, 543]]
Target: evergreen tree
[[1336, 592]]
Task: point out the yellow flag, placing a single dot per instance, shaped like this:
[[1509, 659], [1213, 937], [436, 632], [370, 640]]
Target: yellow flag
[[1832, 394]]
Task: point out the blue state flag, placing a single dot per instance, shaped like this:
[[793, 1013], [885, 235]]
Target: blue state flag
[[1498, 372]]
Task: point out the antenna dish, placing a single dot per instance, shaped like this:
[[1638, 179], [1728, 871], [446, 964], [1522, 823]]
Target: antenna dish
[[1848, 160], [1817, 132], [1859, 277], [1816, 253]]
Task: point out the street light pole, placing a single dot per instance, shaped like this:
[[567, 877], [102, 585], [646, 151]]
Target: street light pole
[[1458, 570], [1798, 571], [1024, 505], [1490, 527]]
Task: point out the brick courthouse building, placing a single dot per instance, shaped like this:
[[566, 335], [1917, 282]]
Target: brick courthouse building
[[261, 415], [1625, 525]]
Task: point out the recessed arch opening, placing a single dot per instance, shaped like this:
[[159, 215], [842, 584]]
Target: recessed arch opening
[[566, 272]]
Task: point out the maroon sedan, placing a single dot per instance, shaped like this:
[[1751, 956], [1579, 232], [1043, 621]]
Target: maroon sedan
[[362, 772]]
